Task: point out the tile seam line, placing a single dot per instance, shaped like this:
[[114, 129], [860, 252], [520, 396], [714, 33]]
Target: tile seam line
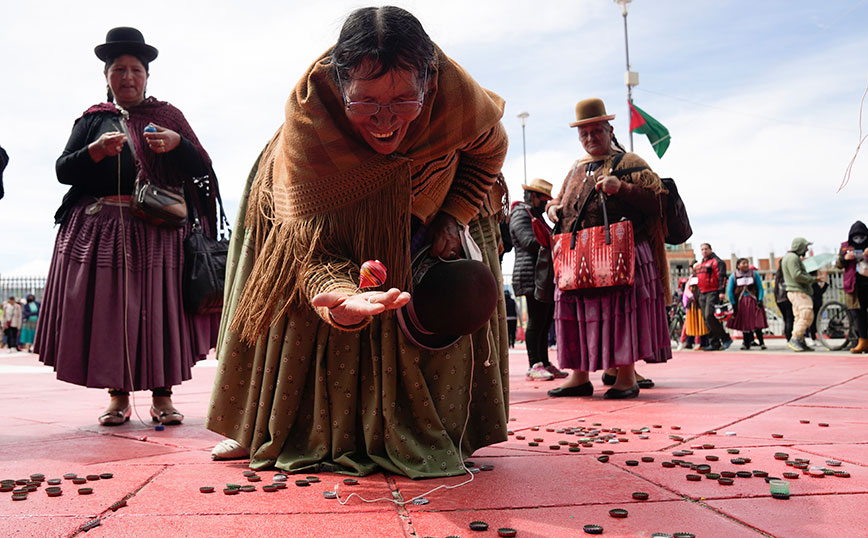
[[733, 519], [108, 512], [404, 516]]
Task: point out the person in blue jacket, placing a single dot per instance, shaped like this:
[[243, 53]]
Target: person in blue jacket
[[744, 289]]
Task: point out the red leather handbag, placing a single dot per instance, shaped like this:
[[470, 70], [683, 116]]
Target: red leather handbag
[[597, 257]]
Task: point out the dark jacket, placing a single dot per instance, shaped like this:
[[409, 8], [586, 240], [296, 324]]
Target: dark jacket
[[712, 274], [780, 286], [505, 239], [849, 266], [511, 311], [526, 248]]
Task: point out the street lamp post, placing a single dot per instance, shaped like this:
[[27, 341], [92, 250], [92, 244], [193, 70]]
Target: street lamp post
[[523, 117], [630, 78]]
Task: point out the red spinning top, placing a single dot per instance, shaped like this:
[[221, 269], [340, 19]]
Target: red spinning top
[[373, 274]]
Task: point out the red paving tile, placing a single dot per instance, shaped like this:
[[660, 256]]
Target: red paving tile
[[567, 521], [40, 527], [373, 525], [181, 484], [816, 516], [852, 453], [105, 493], [527, 482], [539, 491]]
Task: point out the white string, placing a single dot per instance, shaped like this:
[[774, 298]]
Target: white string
[[460, 456], [127, 297], [849, 169]]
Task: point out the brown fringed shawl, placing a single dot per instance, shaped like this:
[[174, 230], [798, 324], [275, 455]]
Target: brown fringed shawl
[[322, 202]]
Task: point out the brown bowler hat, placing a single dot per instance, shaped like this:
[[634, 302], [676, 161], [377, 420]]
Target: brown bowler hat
[[539, 185], [590, 111]]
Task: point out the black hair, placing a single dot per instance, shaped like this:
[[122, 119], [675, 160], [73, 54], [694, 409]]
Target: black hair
[[616, 143], [108, 63], [389, 36], [707, 245], [738, 261]]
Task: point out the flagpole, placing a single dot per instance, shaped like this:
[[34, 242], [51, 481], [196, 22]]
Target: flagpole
[[630, 78], [523, 117]]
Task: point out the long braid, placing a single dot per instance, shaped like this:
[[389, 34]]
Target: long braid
[[617, 144]]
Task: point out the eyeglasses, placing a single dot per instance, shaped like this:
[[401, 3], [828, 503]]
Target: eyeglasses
[[399, 108]]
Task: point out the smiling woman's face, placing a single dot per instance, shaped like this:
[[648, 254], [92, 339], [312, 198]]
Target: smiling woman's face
[[127, 77], [385, 130]]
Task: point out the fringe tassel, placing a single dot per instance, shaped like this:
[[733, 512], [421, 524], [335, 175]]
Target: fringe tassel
[[298, 258]]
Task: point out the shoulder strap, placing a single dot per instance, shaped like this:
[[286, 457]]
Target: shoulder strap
[[626, 171]]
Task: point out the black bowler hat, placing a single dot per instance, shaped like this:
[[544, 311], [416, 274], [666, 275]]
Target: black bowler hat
[[450, 299], [125, 40]]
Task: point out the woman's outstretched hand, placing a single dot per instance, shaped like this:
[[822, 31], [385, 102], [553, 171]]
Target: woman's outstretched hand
[[350, 310]]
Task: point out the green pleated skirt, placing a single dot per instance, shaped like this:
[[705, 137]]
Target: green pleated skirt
[[308, 397]]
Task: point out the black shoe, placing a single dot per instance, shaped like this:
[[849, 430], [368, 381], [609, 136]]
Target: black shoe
[[711, 347], [608, 380], [645, 383], [585, 389], [618, 394], [745, 346]]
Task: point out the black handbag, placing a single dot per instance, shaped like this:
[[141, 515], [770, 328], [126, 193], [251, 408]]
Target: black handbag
[[544, 277], [544, 269], [159, 206], [205, 265]]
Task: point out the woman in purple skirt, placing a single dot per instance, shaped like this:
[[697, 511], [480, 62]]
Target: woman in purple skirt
[[112, 315], [603, 328], [744, 289]]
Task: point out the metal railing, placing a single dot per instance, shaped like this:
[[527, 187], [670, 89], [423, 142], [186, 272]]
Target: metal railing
[[22, 286]]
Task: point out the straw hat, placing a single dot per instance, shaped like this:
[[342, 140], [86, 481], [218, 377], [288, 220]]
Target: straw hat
[[539, 185], [591, 111]]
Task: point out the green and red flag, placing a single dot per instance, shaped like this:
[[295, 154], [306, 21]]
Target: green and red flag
[[642, 123]]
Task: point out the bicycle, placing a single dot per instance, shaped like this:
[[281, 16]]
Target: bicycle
[[836, 329], [675, 313]]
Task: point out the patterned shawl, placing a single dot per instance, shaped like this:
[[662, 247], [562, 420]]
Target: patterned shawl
[[322, 201]]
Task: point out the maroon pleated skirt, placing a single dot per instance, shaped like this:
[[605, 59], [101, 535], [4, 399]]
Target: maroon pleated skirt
[[749, 316], [608, 327], [83, 331]]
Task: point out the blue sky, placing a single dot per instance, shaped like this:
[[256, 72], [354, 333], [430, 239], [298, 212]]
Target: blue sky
[[761, 98]]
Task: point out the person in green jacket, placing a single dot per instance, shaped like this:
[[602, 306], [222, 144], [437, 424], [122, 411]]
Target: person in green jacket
[[798, 282]]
